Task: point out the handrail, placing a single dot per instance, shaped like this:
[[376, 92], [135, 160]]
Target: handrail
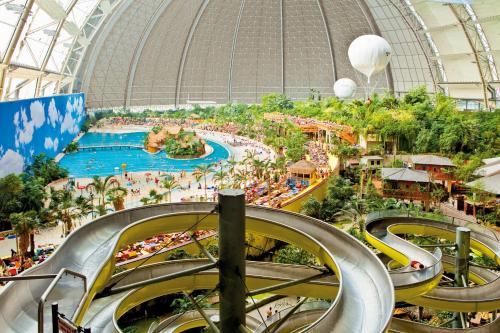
[[54, 282], [27, 277]]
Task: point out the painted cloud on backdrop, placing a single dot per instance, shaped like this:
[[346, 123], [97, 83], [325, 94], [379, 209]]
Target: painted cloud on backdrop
[[53, 113], [51, 144], [11, 162], [25, 127], [37, 114], [73, 117]]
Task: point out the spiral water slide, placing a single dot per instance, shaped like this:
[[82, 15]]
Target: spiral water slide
[[361, 291], [90, 250], [381, 230]]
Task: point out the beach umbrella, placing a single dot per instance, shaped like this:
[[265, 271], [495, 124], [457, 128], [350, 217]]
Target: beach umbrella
[[369, 54]]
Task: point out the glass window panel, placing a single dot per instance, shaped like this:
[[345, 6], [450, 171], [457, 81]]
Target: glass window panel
[[81, 11], [10, 12], [59, 52], [32, 48]]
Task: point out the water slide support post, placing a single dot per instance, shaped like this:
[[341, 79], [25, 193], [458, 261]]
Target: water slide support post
[[55, 317], [232, 260], [461, 267]]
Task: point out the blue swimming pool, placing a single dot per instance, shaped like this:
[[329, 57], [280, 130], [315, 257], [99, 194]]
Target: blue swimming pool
[[103, 162]]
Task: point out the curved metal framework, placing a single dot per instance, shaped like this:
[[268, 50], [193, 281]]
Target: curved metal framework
[[464, 43], [48, 39], [44, 43]]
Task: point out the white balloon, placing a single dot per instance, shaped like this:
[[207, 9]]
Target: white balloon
[[369, 54], [344, 88]]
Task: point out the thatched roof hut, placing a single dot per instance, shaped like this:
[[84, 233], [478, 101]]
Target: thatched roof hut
[[303, 169]]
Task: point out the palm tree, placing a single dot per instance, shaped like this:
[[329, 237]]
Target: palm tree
[[220, 178], [231, 166], [85, 206], [249, 157], [203, 170], [66, 209], [24, 225], [239, 178], [280, 165], [101, 187], [169, 184], [153, 198], [116, 197], [356, 209], [258, 167]]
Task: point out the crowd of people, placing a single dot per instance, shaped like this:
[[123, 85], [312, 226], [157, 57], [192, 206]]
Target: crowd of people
[[159, 242], [120, 122], [317, 154], [15, 264]]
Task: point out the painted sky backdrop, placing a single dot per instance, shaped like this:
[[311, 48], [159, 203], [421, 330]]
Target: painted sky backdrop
[[39, 125]]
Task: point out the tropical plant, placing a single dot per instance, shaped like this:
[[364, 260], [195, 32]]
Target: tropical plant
[[46, 168], [71, 147], [231, 166], [84, 206], [153, 198], [345, 152], [116, 196], [183, 304], [169, 184], [33, 195], [24, 225], [220, 178], [239, 179], [355, 209], [11, 188], [102, 186], [66, 209], [203, 171], [294, 255]]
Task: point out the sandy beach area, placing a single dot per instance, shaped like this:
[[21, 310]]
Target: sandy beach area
[[139, 184]]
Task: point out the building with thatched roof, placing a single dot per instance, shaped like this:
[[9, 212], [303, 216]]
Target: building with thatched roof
[[303, 169]]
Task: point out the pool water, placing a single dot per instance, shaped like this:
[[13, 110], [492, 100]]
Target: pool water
[[85, 164]]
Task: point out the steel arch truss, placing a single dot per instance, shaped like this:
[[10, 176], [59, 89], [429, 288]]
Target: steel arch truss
[[45, 42]]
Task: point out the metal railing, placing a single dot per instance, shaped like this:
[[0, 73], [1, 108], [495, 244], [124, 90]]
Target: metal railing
[[41, 303]]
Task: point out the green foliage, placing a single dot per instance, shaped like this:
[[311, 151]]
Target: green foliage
[[11, 188], [276, 103], [293, 255], [157, 129], [294, 144], [71, 147], [465, 169], [356, 233], [131, 329], [397, 163], [186, 144], [153, 198], [178, 254], [213, 249], [46, 168], [312, 207], [340, 191], [484, 260], [184, 304]]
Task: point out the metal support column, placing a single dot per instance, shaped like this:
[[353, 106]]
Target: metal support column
[[461, 267], [232, 259], [55, 317]]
